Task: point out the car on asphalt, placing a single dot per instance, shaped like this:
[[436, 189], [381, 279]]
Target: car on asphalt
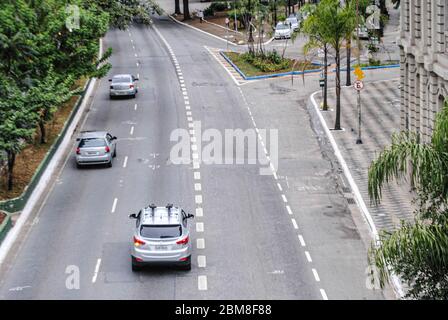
[[363, 32], [95, 147], [161, 236], [123, 85], [282, 31], [293, 23]]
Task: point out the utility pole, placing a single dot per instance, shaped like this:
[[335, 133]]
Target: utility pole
[[358, 58]]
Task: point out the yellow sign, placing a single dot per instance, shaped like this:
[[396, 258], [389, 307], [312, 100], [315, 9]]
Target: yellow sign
[[359, 74]]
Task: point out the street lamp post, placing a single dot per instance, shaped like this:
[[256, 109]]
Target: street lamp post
[[358, 58], [234, 13]]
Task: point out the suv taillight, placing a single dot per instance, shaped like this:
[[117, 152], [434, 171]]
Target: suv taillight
[[131, 86], [107, 149], [138, 242], [183, 241], [78, 151]]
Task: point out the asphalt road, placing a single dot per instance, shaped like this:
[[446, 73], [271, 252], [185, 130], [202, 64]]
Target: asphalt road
[[263, 238]]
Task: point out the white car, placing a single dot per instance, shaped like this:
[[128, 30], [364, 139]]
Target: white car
[[282, 31], [363, 32], [293, 23]]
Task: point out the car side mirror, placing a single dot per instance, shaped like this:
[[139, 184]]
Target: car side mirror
[[190, 216], [110, 80], [133, 216], [114, 138], [135, 79], [78, 139]]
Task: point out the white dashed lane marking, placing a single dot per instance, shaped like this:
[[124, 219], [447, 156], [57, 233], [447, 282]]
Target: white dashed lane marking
[[199, 227], [202, 283], [201, 261], [125, 162], [324, 294], [316, 275], [308, 256], [200, 243], [97, 269], [114, 205], [294, 223], [302, 242], [199, 212]]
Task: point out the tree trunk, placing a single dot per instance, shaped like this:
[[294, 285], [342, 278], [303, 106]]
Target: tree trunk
[[337, 124], [186, 10], [177, 7], [325, 106], [43, 132], [275, 13], [11, 162], [349, 53]]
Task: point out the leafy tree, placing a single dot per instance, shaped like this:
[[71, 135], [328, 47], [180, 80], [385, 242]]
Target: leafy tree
[[46, 96], [317, 33], [418, 251], [17, 124]]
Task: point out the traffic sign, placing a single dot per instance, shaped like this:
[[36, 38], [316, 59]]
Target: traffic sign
[[359, 73], [321, 83], [358, 85]]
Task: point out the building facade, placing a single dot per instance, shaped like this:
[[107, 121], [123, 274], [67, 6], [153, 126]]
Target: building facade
[[424, 63]]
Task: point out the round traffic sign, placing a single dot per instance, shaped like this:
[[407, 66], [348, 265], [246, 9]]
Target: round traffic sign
[[358, 85]]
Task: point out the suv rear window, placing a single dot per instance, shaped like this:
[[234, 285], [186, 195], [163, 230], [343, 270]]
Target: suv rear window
[[92, 142], [161, 231]]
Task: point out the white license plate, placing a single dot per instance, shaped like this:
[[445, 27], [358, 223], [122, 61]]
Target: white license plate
[[161, 247], [93, 153]]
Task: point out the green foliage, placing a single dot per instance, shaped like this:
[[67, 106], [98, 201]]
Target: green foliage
[[418, 251], [266, 62]]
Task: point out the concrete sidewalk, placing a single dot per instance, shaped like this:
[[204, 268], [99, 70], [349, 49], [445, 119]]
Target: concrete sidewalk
[[380, 118]]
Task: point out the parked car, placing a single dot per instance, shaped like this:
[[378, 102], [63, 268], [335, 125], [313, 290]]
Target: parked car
[[96, 147], [161, 236], [282, 31], [293, 23], [123, 85], [363, 32]]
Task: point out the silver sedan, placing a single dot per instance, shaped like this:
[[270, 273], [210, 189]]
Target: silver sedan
[[123, 85], [96, 147]]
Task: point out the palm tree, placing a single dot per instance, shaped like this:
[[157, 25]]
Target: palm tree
[[337, 22], [417, 251]]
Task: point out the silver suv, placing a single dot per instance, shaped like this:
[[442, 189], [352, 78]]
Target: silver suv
[[96, 147], [161, 236], [123, 85]]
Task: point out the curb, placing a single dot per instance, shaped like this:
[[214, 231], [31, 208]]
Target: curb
[[5, 226], [212, 35], [390, 66], [46, 172], [274, 75], [355, 190]]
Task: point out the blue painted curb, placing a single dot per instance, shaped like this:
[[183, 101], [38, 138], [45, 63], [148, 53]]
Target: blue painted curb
[[274, 75], [390, 66]]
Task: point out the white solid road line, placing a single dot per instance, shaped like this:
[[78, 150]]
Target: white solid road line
[[202, 283], [97, 269], [125, 162], [324, 294], [302, 242], [114, 205], [316, 275], [202, 262]]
